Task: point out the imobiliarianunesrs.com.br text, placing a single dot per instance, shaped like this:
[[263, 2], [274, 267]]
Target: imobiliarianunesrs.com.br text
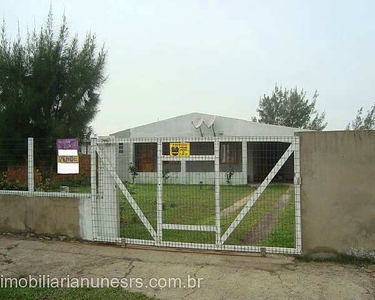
[[47, 281]]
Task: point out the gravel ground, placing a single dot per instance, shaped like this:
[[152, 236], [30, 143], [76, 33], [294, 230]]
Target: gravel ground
[[223, 275]]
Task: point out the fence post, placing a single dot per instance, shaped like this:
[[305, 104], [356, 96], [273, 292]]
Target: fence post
[[30, 164], [297, 194], [244, 162], [159, 196], [94, 208], [217, 192]]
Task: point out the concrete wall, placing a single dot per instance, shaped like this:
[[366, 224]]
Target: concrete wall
[[338, 190], [45, 215]]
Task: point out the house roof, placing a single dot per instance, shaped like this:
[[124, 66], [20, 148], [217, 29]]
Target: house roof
[[181, 126]]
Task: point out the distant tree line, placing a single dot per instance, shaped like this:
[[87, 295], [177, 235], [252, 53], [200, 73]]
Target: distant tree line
[[363, 122], [290, 107]]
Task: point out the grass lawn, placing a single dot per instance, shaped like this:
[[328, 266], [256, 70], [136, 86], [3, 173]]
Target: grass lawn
[[65, 293], [267, 201], [195, 205], [283, 233]]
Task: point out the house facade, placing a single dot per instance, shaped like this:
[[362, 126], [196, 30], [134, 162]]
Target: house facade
[[247, 150]]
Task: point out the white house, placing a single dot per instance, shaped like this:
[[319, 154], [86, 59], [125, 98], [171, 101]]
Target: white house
[[248, 149]]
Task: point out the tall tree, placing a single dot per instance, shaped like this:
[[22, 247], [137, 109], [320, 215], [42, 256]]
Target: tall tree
[[290, 108], [363, 122], [49, 85]]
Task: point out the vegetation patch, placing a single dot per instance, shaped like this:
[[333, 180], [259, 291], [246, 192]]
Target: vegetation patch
[[71, 294], [195, 205], [340, 259]]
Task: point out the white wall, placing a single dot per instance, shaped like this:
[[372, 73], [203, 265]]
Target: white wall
[[191, 178]]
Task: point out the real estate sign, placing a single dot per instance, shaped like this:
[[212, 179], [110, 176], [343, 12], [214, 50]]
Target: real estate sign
[[67, 156], [179, 149]]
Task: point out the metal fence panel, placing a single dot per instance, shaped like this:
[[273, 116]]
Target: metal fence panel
[[238, 194], [220, 193], [14, 164], [31, 165]]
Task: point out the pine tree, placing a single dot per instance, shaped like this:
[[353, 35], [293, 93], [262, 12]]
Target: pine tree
[[363, 122], [290, 108], [49, 86]]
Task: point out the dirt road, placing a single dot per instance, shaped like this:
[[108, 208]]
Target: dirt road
[[222, 276]]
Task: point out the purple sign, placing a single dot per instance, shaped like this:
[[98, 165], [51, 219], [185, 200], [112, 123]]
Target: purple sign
[[67, 144]]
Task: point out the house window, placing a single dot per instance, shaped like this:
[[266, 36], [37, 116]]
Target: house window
[[230, 153], [165, 149], [172, 166], [121, 148], [145, 157], [200, 166], [201, 148]]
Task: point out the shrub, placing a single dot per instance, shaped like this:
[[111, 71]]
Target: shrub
[[166, 175], [229, 175], [133, 172]]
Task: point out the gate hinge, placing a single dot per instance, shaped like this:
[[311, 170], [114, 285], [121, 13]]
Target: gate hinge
[[297, 180]]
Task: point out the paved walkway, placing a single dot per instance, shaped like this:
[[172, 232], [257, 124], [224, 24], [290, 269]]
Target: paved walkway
[[224, 276]]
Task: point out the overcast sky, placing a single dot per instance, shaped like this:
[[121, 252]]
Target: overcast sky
[[167, 58]]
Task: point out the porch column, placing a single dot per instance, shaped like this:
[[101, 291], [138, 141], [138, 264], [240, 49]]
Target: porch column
[[131, 153], [183, 178], [244, 162]]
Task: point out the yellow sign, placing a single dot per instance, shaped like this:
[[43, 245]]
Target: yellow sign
[[179, 149]]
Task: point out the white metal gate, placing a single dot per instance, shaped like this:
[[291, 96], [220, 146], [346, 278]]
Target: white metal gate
[[214, 182]]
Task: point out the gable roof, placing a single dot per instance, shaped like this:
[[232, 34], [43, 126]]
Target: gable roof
[[181, 126]]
